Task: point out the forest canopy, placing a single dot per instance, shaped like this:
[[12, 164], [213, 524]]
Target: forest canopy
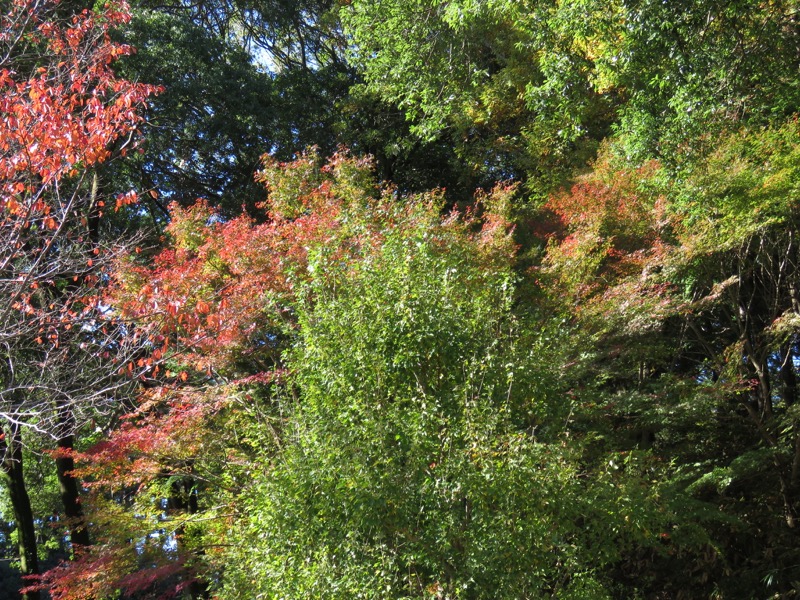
[[464, 299]]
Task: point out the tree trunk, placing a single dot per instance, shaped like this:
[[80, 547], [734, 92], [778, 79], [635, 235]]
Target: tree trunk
[[788, 376], [11, 448], [70, 491]]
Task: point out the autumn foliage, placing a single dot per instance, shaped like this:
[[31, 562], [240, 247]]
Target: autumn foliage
[[576, 385], [223, 291], [219, 307], [62, 114], [64, 111]]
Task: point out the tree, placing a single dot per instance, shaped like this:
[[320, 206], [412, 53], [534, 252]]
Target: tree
[[509, 84], [392, 428], [527, 89], [202, 140], [64, 111], [284, 61], [424, 454], [684, 302], [690, 70]]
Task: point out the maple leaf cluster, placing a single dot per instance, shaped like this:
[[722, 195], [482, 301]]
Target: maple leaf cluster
[[223, 291], [608, 228], [63, 111], [62, 114]]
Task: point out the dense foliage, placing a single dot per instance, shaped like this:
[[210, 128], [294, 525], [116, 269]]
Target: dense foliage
[[422, 299], [64, 111]]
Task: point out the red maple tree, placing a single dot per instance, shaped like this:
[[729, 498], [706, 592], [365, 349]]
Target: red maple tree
[[63, 111]]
